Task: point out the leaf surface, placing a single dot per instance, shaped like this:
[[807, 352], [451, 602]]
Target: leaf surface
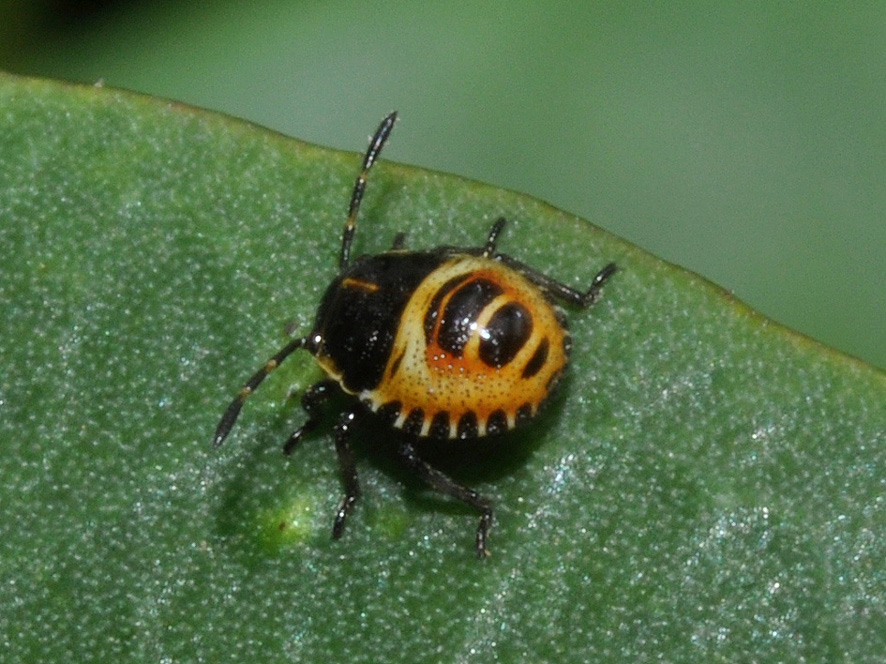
[[707, 486]]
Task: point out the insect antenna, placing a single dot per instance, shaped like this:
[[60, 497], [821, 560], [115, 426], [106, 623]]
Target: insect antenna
[[375, 146]]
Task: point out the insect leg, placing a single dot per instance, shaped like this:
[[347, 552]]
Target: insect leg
[[399, 241], [593, 293], [348, 471], [233, 410], [311, 401], [558, 289], [375, 146], [440, 482]]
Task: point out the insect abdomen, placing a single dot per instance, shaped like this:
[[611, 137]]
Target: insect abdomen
[[477, 350]]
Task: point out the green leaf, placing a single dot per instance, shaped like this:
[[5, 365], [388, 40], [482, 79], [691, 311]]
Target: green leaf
[[707, 486]]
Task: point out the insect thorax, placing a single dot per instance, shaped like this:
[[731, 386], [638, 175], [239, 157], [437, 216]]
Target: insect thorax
[[361, 311]]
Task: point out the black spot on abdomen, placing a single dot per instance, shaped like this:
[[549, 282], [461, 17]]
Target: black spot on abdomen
[[507, 332], [467, 426], [459, 316], [538, 359], [440, 426]]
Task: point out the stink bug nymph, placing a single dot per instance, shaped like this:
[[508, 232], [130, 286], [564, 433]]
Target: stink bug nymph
[[448, 343]]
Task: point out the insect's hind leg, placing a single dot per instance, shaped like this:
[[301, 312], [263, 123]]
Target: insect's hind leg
[[561, 290], [442, 483], [593, 293]]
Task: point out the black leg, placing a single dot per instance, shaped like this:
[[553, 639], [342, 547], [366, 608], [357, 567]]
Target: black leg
[[560, 290], [311, 401], [399, 240], [440, 482], [593, 293], [348, 471], [233, 410]]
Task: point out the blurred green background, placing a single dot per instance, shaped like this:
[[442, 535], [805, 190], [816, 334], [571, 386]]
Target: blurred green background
[[743, 140]]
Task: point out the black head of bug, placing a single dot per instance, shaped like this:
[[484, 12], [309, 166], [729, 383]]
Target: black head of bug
[[312, 342]]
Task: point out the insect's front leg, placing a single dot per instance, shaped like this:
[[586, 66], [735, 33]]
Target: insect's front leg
[[312, 401], [348, 470]]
